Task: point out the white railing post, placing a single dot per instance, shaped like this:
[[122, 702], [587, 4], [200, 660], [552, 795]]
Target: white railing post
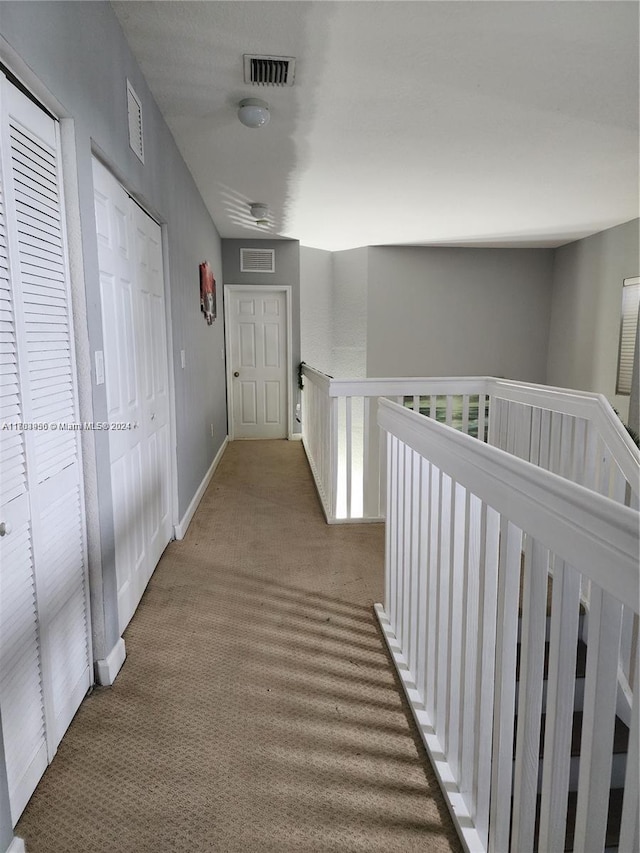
[[372, 494], [333, 455]]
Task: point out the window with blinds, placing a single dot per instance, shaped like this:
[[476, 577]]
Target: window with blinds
[[628, 332]]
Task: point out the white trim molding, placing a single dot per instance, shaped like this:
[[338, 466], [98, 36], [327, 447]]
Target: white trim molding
[[181, 527], [17, 845], [107, 669]]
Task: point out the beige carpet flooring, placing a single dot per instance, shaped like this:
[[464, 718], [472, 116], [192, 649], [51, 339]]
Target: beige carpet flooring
[[257, 709]]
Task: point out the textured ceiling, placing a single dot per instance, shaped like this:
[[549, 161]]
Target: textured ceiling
[[422, 123]]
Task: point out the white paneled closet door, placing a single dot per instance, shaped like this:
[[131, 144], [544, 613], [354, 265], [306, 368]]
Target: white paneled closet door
[[136, 375], [45, 652], [154, 379]]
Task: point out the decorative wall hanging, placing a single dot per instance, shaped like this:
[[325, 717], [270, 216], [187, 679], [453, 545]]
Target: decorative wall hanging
[[207, 293]]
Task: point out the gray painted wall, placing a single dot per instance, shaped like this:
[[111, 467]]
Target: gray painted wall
[[287, 271], [349, 313], [316, 300], [78, 51], [456, 312], [585, 310]]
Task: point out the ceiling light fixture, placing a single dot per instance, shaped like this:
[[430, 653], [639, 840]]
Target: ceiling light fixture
[[260, 212], [253, 112]]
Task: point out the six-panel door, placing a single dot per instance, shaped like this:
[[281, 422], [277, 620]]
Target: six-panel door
[[258, 347]]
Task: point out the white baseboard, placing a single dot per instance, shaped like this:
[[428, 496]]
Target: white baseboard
[[180, 528], [16, 846], [295, 436], [107, 669]]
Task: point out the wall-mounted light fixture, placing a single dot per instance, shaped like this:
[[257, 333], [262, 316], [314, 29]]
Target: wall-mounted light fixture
[[253, 112]]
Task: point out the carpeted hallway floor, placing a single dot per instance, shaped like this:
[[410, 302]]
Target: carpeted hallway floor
[[257, 710]]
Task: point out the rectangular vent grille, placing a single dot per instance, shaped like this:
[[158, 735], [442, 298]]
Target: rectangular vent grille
[[134, 114], [257, 260], [269, 70]]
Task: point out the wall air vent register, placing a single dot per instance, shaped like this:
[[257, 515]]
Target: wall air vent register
[[257, 260], [134, 114]]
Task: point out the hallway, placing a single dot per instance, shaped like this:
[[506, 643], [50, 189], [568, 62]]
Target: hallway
[[257, 709]]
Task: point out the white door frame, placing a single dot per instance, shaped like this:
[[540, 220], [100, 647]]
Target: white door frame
[[271, 288]]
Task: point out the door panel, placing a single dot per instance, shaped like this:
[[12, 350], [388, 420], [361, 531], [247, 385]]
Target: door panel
[[258, 353], [247, 345], [272, 412], [155, 411], [118, 301], [136, 375]]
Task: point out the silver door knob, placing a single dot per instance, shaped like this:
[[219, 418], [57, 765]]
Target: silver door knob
[[4, 528], [235, 373]]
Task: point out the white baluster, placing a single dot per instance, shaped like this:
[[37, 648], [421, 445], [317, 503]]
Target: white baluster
[[490, 548], [563, 639], [629, 829], [598, 719], [505, 687]]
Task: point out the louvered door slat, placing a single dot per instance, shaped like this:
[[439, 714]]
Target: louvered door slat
[[39, 228], [47, 285], [29, 164], [34, 183], [27, 212], [29, 142]]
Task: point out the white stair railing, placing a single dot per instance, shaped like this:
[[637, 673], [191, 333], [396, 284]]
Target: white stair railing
[[472, 536], [344, 444], [579, 436], [572, 433]]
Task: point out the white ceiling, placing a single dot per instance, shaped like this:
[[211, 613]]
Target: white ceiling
[[421, 123]]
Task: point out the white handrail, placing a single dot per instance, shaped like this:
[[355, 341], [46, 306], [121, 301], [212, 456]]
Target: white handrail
[[538, 501]]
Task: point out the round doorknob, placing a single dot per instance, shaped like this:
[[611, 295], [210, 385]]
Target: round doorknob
[[4, 528], [235, 373]]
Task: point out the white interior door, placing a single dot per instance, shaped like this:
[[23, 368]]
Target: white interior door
[[154, 379], [257, 345], [136, 376], [45, 651]]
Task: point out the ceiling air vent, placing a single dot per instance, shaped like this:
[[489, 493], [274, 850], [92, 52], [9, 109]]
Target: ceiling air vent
[[269, 70], [257, 260], [134, 111]]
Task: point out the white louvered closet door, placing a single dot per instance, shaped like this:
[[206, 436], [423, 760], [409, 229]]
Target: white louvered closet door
[[45, 654]]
